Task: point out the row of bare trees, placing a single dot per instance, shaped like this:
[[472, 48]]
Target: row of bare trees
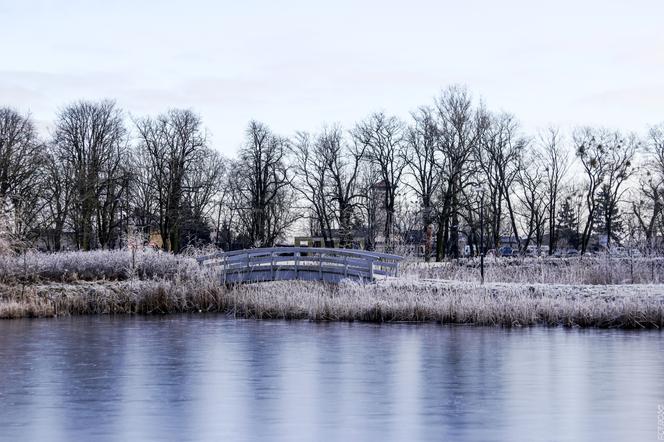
[[549, 191], [100, 175], [93, 178]]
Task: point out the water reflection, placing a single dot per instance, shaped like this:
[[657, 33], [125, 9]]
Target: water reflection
[[209, 377]]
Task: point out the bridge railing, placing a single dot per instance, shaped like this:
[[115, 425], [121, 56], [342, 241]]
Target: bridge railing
[[309, 263]]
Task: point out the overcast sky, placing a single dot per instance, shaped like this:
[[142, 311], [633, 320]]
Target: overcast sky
[[297, 64]]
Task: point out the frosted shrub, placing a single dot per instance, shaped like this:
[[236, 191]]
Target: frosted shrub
[[95, 265]]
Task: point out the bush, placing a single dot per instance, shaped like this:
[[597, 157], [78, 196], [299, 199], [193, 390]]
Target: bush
[[114, 265]]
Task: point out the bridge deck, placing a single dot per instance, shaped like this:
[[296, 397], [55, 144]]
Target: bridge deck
[[306, 263]]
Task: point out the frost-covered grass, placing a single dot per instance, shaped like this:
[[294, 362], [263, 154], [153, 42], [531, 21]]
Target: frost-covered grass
[[109, 297], [42, 285], [93, 266], [459, 303], [586, 270], [399, 300]]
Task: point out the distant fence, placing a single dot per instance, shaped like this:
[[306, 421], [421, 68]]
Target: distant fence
[[306, 263]]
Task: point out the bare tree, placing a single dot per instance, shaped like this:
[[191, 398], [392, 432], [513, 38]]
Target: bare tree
[[383, 139], [369, 203], [58, 194], [423, 160], [343, 163], [114, 181], [649, 207], [90, 138], [203, 183], [21, 161], [591, 149], [142, 194], [228, 204], [174, 145], [312, 181], [263, 186], [620, 169], [532, 196], [202, 193], [607, 160], [499, 155], [460, 127], [19, 148], [555, 158]]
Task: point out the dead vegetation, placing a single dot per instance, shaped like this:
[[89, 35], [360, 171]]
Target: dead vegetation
[[592, 270], [181, 287]]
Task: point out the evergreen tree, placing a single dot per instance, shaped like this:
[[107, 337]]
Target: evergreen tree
[[608, 220], [568, 224]]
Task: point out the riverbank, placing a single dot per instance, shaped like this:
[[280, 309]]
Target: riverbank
[[502, 304], [517, 293]]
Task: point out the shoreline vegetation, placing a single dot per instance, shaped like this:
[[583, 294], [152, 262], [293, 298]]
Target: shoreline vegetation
[[578, 292]]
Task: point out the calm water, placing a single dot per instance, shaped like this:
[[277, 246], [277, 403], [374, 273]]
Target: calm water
[[213, 378]]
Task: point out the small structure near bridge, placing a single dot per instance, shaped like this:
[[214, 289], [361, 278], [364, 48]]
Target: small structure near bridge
[[305, 263]]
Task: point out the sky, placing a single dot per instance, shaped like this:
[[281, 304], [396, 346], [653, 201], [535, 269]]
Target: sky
[[297, 65]]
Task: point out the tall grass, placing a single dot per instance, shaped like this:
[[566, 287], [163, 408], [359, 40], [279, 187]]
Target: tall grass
[[586, 270], [459, 303], [115, 265], [42, 285]]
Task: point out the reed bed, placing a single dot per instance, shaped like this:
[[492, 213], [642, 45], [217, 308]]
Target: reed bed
[[115, 265], [503, 304], [569, 292], [576, 271], [458, 303]]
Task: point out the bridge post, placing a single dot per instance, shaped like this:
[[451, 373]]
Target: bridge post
[[371, 269], [224, 263], [320, 266], [272, 266], [345, 266], [247, 265], [297, 260]]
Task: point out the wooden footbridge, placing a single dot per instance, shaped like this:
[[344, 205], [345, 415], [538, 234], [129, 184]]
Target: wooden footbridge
[[306, 263]]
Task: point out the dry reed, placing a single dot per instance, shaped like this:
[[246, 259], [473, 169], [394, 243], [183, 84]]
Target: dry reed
[[387, 301]]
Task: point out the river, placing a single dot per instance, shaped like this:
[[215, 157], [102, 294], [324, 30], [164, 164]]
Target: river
[[208, 377]]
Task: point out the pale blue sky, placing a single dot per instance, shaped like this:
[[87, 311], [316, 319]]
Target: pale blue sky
[[298, 64]]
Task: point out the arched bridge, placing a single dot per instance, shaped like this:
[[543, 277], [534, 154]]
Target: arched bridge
[[306, 263]]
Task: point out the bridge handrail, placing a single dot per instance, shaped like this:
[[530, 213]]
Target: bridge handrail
[[358, 263], [315, 250]]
